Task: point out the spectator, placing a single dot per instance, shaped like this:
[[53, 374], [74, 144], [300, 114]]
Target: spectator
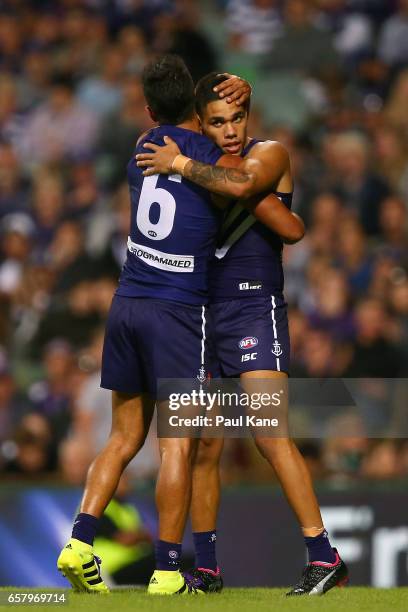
[[59, 128], [361, 189], [17, 231], [393, 43], [119, 133], [51, 396], [394, 228], [332, 312], [13, 190], [371, 341], [103, 94], [253, 25], [302, 47], [352, 30], [354, 256]]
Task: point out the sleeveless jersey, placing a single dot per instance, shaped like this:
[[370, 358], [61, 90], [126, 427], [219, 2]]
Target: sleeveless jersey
[[173, 227], [248, 259]]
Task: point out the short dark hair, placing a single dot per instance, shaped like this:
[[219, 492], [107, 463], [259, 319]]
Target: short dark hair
[[204, 91], [169, 89]]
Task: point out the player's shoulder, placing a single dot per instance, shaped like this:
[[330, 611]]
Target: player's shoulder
[[272, 148]]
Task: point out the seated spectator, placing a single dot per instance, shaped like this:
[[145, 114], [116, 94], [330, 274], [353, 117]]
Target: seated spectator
[[119, 133], [353, 179], [393, 43], [302, 47], [102, 94], [16, 231], [394, 228], [33, 451], [13, 405], [354, 256], [395, 111], [13, 187], [177, 32], [52, 396], [59, 128], [332, 311], [381, 461], [48, 202], [352, 30], [371, 341], [253, 25], [391, 152]]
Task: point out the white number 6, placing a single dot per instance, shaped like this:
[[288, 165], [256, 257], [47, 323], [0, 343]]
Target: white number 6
[[150, 195]]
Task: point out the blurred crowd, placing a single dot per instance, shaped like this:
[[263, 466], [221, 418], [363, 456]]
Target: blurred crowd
[[330, 80]]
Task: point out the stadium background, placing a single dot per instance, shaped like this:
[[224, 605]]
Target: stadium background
[[330, 81]]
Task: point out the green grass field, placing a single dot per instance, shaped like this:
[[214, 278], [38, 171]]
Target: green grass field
[[231, 600]]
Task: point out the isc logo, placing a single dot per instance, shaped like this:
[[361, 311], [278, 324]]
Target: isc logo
[[248, 342], [249, 357]]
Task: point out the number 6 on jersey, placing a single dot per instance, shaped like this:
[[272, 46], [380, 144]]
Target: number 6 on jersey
[[150, 195]]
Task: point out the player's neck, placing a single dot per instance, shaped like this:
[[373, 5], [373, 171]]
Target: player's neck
[[191, 124]]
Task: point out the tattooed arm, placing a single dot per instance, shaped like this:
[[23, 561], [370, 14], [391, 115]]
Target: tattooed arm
[[224, 179], [234, 177], [230, 180]]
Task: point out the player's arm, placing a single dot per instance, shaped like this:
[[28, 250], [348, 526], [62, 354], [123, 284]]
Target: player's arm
[[258, 172], [271, 211], [230, 182]]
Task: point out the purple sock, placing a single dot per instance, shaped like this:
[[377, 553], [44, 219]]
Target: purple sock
[[85, 526], [167, 555], [319, 548], [204, 545]]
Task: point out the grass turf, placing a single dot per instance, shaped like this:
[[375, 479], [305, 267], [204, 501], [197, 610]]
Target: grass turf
[[230, 600]]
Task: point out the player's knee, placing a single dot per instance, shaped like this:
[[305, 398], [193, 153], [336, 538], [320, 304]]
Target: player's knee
[[179, 449], [208, 452], [126, 446], [273, 448]]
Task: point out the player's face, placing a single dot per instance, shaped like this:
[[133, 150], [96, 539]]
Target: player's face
[[226, 125]]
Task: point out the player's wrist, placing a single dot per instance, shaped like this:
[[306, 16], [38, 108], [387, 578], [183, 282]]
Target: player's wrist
[[179, 163]]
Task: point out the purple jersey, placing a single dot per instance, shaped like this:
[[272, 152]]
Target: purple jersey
[[248, 259], [173, 226]]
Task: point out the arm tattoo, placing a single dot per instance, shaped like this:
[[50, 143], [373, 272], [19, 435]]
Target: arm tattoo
[[210, 176]]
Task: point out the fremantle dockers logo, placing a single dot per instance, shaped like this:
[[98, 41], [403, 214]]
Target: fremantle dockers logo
[[277, 350], [202, 377]]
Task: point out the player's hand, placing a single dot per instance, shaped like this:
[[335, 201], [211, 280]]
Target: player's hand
[[160, 159], [234, 89]]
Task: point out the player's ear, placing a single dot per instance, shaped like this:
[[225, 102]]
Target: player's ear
[[199, 121], [150, 113]]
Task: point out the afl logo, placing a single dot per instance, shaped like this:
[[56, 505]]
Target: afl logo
[[152, 233], [248, 342]]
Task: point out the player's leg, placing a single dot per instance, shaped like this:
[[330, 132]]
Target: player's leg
[[205, 500], [290, 467], [131, 417], [132, 411], [253, 342], [173, 496], [183, 356], [325, 568]]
